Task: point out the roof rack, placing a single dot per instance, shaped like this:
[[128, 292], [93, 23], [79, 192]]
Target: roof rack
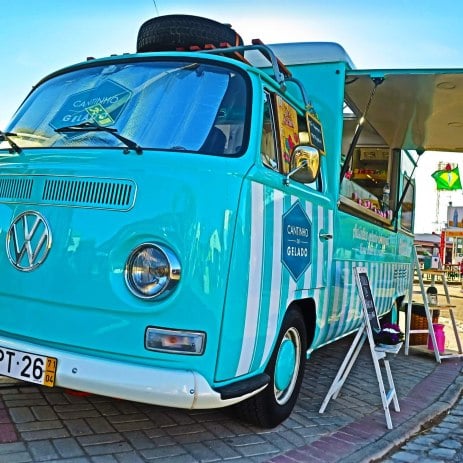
[[280, 72]]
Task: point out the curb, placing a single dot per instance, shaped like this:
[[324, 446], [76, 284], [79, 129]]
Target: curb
[[402, 433]]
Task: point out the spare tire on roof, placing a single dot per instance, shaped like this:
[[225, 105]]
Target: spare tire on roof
[[178, 31]]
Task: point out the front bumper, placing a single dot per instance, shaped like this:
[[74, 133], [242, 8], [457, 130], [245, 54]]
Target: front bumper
[[157, 386]]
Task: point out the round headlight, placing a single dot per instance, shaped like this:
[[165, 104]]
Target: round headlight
[[151, 270]]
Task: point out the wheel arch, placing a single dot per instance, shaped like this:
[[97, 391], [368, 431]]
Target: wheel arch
[[307, 308]]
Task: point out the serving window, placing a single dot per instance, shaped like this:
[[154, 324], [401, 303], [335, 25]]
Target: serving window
[[366, 184]]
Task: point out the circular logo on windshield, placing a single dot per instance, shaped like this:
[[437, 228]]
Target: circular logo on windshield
[[28, 241]]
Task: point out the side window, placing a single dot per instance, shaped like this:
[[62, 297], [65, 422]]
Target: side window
[[268, 148], [288, 130], [283, 129]]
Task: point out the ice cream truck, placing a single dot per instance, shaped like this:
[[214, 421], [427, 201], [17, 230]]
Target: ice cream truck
[[180, 225]]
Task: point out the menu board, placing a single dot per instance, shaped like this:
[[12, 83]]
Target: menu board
[[367, 298], [316, 133]]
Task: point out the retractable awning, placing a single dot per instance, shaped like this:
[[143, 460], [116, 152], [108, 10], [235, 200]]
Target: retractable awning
[[410, 109]]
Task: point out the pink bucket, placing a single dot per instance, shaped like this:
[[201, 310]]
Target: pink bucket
[[440, 338]]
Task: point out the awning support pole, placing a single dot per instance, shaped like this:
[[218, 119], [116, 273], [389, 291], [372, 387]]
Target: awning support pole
[[358, 129]]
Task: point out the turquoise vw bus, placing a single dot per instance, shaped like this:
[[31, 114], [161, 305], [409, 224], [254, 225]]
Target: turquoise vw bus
[[180, 225]]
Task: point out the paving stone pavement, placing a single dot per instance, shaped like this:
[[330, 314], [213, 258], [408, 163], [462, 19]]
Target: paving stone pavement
[[441, 442], [50, 424]]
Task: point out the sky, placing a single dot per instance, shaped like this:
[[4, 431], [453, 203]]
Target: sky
[[38, 37]]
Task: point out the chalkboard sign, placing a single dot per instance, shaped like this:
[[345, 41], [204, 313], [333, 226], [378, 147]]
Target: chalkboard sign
[[363, 285], [316, 133]]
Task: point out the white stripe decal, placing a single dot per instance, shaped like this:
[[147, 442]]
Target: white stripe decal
[[321, 264], [345, 295], [274, 308], [330, 249], [255, 278], [329, 280], [381, 271], [353, 309], [308, 273]]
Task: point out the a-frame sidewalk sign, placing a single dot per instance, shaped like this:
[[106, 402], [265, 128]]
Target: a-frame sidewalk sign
[[369, 326]]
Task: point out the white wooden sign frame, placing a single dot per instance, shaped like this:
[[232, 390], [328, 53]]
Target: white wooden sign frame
[[370, 324]]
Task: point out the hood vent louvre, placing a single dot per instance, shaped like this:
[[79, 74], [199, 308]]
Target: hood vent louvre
[[15, 187], [88, 192], [106, 193]]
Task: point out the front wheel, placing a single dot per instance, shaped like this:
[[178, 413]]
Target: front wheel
[[275, 403]]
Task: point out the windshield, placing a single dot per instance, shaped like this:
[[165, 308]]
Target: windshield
[[167, 105]]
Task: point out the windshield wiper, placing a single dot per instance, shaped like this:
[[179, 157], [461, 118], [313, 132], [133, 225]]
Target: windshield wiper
[[91, 127], [5, 136]]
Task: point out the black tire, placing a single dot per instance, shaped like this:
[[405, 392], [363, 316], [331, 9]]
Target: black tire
[[177, 31], [272, 406]]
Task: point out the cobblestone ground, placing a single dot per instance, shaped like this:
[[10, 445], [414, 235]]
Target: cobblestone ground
[[441, 442], [43, 424]]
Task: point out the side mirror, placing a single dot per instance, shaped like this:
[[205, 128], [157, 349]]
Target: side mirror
[[304, 164]]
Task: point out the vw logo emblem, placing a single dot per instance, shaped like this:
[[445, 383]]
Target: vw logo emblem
[[28, 241]]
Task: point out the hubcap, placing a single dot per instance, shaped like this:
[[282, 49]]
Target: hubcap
[[287, 365]]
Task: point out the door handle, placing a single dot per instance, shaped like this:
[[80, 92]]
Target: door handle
[[325, 236]]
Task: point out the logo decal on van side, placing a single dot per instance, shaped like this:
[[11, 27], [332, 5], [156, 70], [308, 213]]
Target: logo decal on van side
[[296, 241]]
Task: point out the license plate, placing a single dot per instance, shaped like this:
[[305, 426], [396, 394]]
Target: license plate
[[28, 367]]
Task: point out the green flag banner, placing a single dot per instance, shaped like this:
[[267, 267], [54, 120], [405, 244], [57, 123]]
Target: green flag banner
[[447, 179]]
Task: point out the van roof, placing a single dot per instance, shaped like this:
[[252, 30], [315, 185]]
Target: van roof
[[303, 53]]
